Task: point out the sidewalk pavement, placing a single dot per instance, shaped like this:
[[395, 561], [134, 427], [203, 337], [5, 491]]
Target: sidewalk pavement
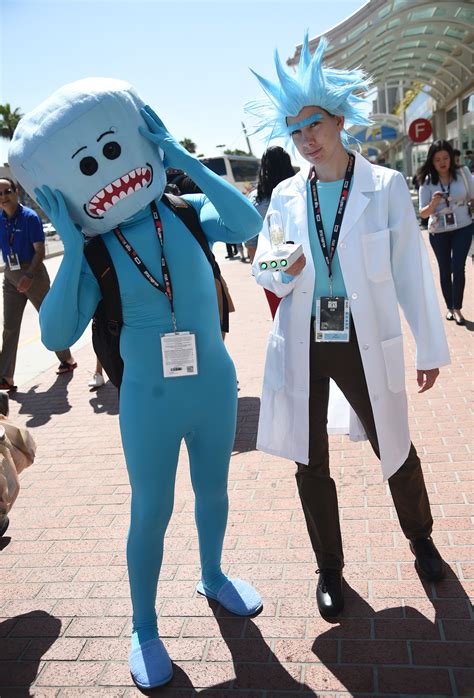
[[64, 598]]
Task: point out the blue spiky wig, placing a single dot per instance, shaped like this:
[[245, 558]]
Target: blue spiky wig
[[312, 85]]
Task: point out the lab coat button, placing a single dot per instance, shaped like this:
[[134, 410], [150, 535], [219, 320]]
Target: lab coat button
[[342, 245], [354, 296], [366, 346], [375, 398]]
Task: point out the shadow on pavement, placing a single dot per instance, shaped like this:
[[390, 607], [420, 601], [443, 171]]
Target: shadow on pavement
[[412, 654], [24, 640], [105, 399], [248, 411], [42, 405], [396, 651], [256, 667]]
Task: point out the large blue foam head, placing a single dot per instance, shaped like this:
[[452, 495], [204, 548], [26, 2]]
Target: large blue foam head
[[84, 141], [339, 92]]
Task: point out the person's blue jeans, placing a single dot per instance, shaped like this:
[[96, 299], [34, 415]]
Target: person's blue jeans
[[451, 249]]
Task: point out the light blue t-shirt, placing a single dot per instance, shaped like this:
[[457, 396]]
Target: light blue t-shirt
[[329, 194]]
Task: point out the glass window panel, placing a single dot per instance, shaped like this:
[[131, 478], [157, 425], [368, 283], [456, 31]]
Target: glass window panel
[[358, 30], [452, 114], [455, 33], [468, 104], [425, 13], [357, 47], [464, 14], [413, 44], [403, 56], [217, 165], [443, 46], [244, 170]]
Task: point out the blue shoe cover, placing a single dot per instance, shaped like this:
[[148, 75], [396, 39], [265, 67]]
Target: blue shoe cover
[[150, 664], [236, 596]]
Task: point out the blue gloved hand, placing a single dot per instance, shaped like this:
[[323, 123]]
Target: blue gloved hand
[[55, 208], [175, 155]]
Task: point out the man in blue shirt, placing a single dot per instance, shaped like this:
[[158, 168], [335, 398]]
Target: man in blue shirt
[[25, 277]]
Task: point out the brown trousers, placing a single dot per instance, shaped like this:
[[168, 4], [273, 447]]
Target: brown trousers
[[317, 490], [14, 304]]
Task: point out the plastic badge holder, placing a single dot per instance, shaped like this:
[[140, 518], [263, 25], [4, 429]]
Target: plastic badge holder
[[283, 254]]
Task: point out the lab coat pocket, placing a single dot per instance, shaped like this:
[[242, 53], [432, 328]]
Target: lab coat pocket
[[376, 248], [394, 363], [275, 362]]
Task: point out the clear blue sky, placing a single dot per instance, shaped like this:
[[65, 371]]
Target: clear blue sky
[[190, 60]]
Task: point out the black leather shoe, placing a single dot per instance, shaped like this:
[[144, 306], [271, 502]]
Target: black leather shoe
[[329, 593], [4, 523], [428, 562]]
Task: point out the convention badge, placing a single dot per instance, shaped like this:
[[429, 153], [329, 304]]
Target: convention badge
[[332, 322], [449, 219], [13, 262], [178, 350]]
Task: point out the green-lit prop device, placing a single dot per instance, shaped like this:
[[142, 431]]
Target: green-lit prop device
[[283, 254]]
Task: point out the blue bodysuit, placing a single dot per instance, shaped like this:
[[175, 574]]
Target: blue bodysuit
[[98, 155]]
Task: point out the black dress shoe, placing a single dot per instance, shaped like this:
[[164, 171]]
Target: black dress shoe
[[428, 562], [4, 523], [329, 593]]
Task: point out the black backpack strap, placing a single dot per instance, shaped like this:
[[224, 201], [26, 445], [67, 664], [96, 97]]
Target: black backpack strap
[[188, 215], [100, 262]]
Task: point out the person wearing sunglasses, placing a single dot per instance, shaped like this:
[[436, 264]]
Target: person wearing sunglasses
[[25, 277]]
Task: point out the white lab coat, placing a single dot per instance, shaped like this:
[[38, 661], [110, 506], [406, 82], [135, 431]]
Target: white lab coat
[[384, 264]]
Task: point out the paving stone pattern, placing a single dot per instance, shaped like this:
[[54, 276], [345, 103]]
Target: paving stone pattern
[[64, 600]]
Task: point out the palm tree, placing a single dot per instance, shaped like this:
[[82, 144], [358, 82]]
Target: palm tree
[[189, 145], [8, 120]]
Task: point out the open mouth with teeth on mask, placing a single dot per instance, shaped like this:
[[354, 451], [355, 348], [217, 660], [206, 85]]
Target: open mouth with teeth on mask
[[119, 189]]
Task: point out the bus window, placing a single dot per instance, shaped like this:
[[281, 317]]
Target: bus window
[[244, 170], [217, 165]]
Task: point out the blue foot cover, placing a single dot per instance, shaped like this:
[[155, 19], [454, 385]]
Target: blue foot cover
[[150, 664], [236, 596]]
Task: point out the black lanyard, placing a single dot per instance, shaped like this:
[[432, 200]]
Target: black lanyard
[[10, 227], [329, 253], [167, 288], [446, 191]]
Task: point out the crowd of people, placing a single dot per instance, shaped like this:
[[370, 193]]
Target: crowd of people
[[335, 308]]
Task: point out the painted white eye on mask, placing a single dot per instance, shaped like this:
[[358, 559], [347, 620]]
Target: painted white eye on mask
[[84, 140]]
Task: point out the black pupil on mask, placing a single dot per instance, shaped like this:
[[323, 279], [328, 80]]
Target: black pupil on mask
[[89, 166], [111, 150]]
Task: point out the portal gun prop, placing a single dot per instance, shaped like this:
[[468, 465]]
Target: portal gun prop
[[283, 254]]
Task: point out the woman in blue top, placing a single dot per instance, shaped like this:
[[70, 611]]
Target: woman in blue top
[[445, 195]]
